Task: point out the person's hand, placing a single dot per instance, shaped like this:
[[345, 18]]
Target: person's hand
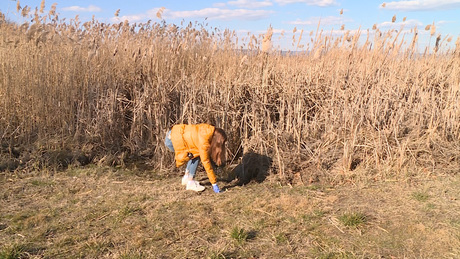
[[215, 188]]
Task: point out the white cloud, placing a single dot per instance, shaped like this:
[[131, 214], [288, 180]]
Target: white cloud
[[444, 22], [329, 20], [130, 18], [321, 3], [351, 32], [220, 14], [422, 5], [219, 5], [251, 4], [210, 13], [91, 8], [407, 24]]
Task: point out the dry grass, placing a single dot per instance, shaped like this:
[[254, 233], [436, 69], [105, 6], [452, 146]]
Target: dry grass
[[101, 212], [366, 101]]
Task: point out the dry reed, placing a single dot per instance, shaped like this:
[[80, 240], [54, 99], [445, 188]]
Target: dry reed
[[340, 105]]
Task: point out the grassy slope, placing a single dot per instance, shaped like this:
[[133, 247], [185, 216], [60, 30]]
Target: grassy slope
[[103, 212]]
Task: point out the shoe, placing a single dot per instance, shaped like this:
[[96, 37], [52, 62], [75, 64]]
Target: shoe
[[193, 185], [185, 179]]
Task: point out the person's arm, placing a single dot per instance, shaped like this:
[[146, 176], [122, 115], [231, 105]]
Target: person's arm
[[206, 160], [206, 133]]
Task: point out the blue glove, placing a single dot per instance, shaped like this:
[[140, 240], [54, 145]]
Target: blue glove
[[215, 188]]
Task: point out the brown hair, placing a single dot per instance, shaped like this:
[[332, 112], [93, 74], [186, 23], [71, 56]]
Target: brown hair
[[217, 150]]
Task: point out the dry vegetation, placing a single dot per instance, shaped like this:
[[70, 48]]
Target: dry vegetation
[[363, 100], [102, 212], [364, 107]]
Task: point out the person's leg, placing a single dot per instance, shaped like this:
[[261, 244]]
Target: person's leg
[[189, 176], [168, 142], [192, 165], [190, 170]]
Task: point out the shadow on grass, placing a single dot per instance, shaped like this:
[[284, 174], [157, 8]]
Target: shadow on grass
[[253, 166]]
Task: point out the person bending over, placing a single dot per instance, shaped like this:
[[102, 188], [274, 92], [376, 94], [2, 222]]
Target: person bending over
[[194, 143]]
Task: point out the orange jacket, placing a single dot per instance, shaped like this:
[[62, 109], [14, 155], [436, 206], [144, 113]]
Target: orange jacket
[[194, 139]]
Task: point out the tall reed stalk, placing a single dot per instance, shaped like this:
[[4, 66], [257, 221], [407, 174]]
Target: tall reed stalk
[[365, 100]]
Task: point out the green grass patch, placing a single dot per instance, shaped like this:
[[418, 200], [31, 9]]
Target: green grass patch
[[217, 255], [420, 196], [12, 251], [16, 251], [281, 238], [353, 219], [41, 183], [131, 256], [129, 210], [336, 255], [239, 235]]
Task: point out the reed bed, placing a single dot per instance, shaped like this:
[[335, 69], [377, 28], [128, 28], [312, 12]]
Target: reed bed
[[365, 104]]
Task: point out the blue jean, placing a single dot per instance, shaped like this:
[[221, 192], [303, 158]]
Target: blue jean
[[192, 164]]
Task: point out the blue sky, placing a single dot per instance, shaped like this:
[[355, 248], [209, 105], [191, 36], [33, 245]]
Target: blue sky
[[255, 16]]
